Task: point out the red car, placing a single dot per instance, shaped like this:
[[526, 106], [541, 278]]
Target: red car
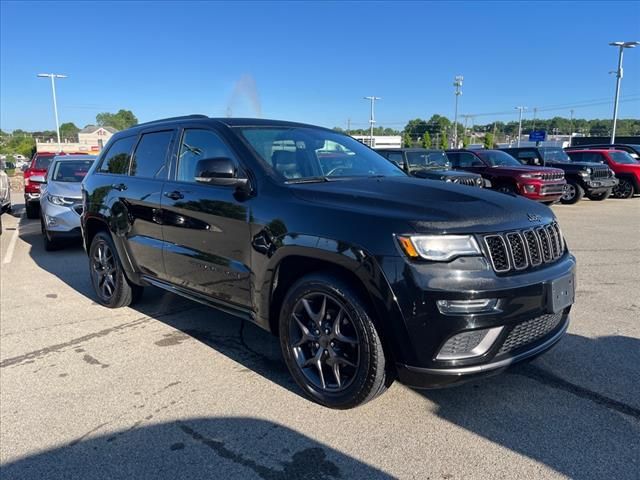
[[508, 175], [626, 168], [38, 166]]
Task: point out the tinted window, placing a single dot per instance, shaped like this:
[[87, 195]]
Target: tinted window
[[419, 159], [70, 170], [299, 153], [464, 160], [117, 158], [497, 158], [551, 154], [42, 162], [199, 145], [591, 157], [623, 157], [151, 154], [395, 157]]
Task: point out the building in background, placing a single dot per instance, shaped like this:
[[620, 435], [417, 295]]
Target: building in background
[[91, 140], [380, 141]]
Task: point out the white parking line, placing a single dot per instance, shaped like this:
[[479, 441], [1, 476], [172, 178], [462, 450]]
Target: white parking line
[[12, 243]]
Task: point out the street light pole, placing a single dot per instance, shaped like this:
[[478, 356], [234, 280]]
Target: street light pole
[[53, 77], [521, 109], [372, 118], [457, 82], [621, 46]]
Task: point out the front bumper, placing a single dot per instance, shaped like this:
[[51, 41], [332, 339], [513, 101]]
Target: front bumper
[[31, 198], [59, 218], [542, 192], [598, 186], [524, 319]]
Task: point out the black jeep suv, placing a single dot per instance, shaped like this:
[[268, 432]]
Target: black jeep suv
[[595, 180], [431, 164], [365, 273]]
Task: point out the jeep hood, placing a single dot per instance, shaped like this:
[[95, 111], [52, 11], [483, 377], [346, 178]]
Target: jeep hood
[[426, 205], [520, 169]]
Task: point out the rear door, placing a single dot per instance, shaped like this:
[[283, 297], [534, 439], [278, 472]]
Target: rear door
[[206, 227], [527, 156]]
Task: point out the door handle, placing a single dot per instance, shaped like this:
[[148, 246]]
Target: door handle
[[119, 186], [175, 195]]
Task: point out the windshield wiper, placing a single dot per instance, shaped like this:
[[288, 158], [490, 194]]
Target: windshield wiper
[[318, 179]]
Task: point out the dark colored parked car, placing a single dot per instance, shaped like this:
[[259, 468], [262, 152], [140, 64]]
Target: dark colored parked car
[[593, 179], [626, 168], [365, 273], [431, 164], [508, 175]]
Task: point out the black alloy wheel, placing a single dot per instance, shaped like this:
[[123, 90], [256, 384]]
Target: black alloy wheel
[[324, 342], [624, 189], [330, 343], [107, 275]]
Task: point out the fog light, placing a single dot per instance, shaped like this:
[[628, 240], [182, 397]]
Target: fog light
[[51, 222], [453, 307], [469, 344], [529, 188]]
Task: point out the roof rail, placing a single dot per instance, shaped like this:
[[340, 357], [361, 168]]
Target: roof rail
[[183, 117]]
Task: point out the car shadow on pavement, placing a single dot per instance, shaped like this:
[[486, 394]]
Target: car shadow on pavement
[[226, 447], [240, 340], [575, 409]]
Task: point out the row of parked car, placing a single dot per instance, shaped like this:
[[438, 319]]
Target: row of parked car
[[366, 273], [545, 174]]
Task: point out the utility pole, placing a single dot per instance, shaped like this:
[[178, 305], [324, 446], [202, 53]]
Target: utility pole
[[348, 125], [458, 84], [53, 77], [621, 46], [571, 125], [535, 111], [520, 109], [372, 119]]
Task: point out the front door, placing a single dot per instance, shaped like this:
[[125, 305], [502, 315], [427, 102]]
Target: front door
[[205, 227]]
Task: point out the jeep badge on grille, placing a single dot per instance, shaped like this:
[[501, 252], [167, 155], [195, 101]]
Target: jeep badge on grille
[[533, 217]]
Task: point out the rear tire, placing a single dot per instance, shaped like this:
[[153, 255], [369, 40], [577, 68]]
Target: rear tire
[[109, 281], [598, 197], [315, 338], [573, 193], [32, 209], [624, 189]]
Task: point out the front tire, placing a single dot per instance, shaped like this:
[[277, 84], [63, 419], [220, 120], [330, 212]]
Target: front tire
[[573, 193], [624, 189], [330, 344], [598, 197], [32, 209], [109, 281]]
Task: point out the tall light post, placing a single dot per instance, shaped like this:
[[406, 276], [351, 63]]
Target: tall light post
[[372, 119], [521, 109], [457, 82], [621, 46], [53, 77]]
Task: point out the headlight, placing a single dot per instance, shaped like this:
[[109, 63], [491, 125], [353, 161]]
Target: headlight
[[448, 180], [531, 175], [62, 201], [589, 171], [439, 248]]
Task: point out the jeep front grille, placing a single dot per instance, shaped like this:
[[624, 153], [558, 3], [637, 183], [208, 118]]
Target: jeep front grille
[[470, 181], [600, 172], [530, 331], [552, 177], [522, 249]]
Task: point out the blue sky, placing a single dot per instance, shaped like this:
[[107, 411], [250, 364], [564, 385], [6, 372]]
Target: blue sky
[[313, 61]]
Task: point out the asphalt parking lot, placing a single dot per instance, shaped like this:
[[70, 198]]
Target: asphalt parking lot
[[172, 389]]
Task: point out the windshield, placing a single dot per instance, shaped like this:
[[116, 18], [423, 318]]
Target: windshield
[[70, 170], [419, 159], [554, 155], [299, 154], [42, 162], [496, 158], [622, 157]]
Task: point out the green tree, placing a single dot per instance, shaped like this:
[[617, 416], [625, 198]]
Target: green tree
[[465, 141], [69, 131], [444, 141], [488, 140], [120, 121], [426, 140], [407, 141]]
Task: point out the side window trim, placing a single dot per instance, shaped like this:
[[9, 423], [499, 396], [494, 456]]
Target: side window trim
[[105, 155]]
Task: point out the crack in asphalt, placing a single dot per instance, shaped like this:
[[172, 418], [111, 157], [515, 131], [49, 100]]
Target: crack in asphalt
[[310, 463], [551, 380], [36, 354]]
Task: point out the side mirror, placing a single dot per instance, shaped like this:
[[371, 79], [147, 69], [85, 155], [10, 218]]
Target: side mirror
[[218, 171], [37, 179]]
